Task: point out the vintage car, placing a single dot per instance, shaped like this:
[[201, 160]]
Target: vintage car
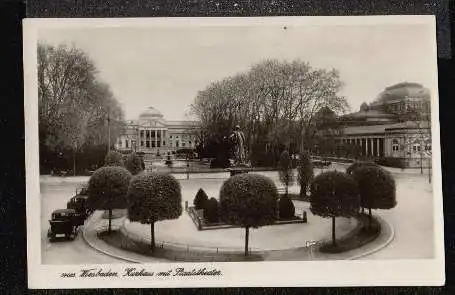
[[79, 203], [63, 223]]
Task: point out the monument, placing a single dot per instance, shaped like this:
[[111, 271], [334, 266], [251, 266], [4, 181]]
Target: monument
[[237, 138]]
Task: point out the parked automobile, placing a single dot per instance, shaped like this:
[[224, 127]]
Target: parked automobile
[[79, 203], [63, 223]]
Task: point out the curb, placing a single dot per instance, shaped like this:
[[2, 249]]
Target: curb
[[379, 247], [108, 253], [132, 260]]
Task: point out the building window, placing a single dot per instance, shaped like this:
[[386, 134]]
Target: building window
[[158, 144], [176, 136], [428, 147], [170, 136], [147, 144], [416, 148], [177, 143], [395, 146], [153, 144], [164, 143], [142, 133], [126, 143], [183, 144], [189, 142], [142, 143], [153, 133]]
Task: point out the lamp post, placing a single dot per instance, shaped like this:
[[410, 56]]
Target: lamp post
[[108, 132]]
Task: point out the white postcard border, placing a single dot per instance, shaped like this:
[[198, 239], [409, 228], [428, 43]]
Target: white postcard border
[[241, 274]]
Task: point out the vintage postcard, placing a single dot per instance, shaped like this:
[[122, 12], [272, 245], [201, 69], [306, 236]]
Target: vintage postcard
[[212, 152]]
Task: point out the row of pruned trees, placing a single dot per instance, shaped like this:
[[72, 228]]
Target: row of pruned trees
[[275, 103], [247, 200], [77, 111]]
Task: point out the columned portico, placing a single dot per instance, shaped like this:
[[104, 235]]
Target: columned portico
[[152, 134], [370, 146]]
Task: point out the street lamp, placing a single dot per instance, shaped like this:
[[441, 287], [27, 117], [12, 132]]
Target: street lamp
[[108, 132]]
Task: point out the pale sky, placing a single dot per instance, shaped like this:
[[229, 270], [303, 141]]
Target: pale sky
[[165, 67]]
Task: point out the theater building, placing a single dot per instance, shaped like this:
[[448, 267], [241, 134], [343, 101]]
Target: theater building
[[395, 126], [152, 134]]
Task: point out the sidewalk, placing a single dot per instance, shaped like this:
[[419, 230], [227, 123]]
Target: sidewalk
[[95, 224]]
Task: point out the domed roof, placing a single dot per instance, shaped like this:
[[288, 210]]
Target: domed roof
[[404, 90], [150, 113]]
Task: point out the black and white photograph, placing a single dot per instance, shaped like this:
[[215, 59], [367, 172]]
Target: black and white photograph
[[239, 151]]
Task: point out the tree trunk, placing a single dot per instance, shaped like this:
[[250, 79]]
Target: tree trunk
[[74, 162], [247, 232], [287, 189], [333, 231], [110, 221], [363, 210], [152, 235], [369, 218]]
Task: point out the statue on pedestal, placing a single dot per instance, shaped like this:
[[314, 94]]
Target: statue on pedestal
[[238, 139]]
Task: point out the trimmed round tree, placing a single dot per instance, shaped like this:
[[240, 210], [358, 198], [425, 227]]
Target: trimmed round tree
[[154, 197], [356, 165], [376, 187], [249, 200], [334, 194], [107, 189], [211, 210], [113, 158], [286, 208], [200, 199], [285, 170], [305, 173], [134, 164]]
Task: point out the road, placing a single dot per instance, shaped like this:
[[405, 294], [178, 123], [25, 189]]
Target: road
[[54, 196]]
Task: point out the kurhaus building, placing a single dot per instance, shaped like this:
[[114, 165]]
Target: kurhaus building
[[396, 125], [152, 134]]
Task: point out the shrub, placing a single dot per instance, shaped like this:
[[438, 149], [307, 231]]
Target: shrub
[[285, 170], [392, 162], [376, 187], [154, 197], [107, 189], [286, 208], [200, 199], [221, 161], [357, 165], [133, 163], [211, 211], [248, 200], [113, 158], [334, 194], [305, 173]]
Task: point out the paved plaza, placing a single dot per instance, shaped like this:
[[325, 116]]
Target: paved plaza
[[411, 220]]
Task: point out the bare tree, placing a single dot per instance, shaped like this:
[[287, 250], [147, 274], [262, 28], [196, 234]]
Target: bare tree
[[72, 102], [275, 101]]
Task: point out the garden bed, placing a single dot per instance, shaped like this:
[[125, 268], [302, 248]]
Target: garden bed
[[174, 252], [360, 236], [201, 224]]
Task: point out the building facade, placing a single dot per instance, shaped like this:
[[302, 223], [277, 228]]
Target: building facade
[[152, 134], [396, 126]]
